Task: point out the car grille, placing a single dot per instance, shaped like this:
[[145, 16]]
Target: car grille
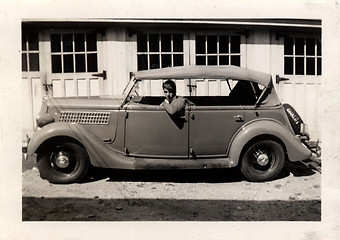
[[85, 117]]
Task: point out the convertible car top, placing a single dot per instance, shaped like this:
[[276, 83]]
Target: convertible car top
[[205, 72], [266, 96]]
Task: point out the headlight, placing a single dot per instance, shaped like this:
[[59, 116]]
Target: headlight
[[43, 117], [304, 129]]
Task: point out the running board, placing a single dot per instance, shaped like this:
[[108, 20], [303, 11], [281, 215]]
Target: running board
[[154, 163]]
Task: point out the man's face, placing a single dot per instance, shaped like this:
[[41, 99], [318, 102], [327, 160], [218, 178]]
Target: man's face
[[168, 95]]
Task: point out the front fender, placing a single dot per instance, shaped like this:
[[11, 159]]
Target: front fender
[[296, 150], [100, 154], [50, 131]]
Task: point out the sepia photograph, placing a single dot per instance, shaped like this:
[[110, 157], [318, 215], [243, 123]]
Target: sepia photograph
[[181, 119]]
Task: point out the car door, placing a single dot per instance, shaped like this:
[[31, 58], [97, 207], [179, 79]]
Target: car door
[[151, 132], [212, 128]]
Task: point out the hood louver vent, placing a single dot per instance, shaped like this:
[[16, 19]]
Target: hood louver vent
[[85, 117]]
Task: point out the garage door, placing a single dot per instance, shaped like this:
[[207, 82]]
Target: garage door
[[75, 60]]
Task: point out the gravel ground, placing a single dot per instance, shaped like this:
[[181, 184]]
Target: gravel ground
[[190, 195]]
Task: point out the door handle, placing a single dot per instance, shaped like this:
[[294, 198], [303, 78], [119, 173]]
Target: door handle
[[238, 118]]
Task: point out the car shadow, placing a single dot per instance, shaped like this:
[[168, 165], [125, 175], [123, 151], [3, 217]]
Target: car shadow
[[298, 169], [178, 176]]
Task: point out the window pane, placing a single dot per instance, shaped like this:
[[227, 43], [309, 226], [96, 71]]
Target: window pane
[[310, 46], [236, 60], [224, 44], [24, 62], [166, 60], [318, 44], [200, 60], [92, 65], [319, 66], [235, 44], [299, 46], [34, 61], [142, 62], [212, 44], [154, 43], [200, 44], [68, 64], [178, 60], [154, 61], [224, 60], [91, 42], [67, 43], [310, 68], [79, 41], [288, 65], [288, 46], [299, 66], [80, 63], [141, 43], [33, 42], [55, 43], [178, 42], [56, 64], [23, 42], [212, 60], [166, 42]]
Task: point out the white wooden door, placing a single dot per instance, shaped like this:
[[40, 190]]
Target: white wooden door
[[301, 57], [303, 94], [75, 64], [212, 48]]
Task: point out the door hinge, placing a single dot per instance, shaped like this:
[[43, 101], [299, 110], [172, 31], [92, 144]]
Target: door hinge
[[47, 87], [280, 79], [103, 75], [126, 115], [126, 151], [192, 153]]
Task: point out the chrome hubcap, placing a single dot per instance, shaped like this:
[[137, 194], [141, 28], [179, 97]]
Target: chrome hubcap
[[62, 159], [261, 158]]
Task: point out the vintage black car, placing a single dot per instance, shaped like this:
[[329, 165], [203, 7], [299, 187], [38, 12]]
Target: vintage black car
[[246, 126]]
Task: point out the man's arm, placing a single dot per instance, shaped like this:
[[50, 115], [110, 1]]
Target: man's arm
[[175, 106]]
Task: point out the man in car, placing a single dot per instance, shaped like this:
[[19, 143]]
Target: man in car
[[173, 104]]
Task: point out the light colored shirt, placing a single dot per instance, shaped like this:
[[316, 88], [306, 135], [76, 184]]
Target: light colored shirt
[[176, 106]]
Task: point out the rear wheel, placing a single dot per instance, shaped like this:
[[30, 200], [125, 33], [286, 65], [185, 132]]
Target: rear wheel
[[65, 162], [263, 160]]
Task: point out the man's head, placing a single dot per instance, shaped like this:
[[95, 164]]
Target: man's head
[[169, 89]]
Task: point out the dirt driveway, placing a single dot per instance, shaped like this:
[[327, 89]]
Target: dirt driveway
[[200, 195]]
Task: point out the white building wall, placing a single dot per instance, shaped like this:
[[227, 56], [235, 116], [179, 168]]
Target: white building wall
[[121, 60], [258, 50]]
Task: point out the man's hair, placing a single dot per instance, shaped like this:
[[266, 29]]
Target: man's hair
[[170, 86]]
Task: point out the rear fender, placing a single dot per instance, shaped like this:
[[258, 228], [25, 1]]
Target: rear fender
[[296, 150], [100, 154]]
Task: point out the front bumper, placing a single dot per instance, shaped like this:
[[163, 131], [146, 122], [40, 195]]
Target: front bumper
[[313, 146], [25, 146]]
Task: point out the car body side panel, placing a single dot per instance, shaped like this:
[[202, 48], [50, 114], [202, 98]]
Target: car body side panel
[[151, 132], [296, 151], [211, 129]]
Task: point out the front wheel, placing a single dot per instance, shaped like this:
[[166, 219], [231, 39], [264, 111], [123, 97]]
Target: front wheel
[[65, 162], [262, 160]]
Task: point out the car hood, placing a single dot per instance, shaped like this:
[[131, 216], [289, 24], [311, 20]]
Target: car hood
[[97, 103]]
